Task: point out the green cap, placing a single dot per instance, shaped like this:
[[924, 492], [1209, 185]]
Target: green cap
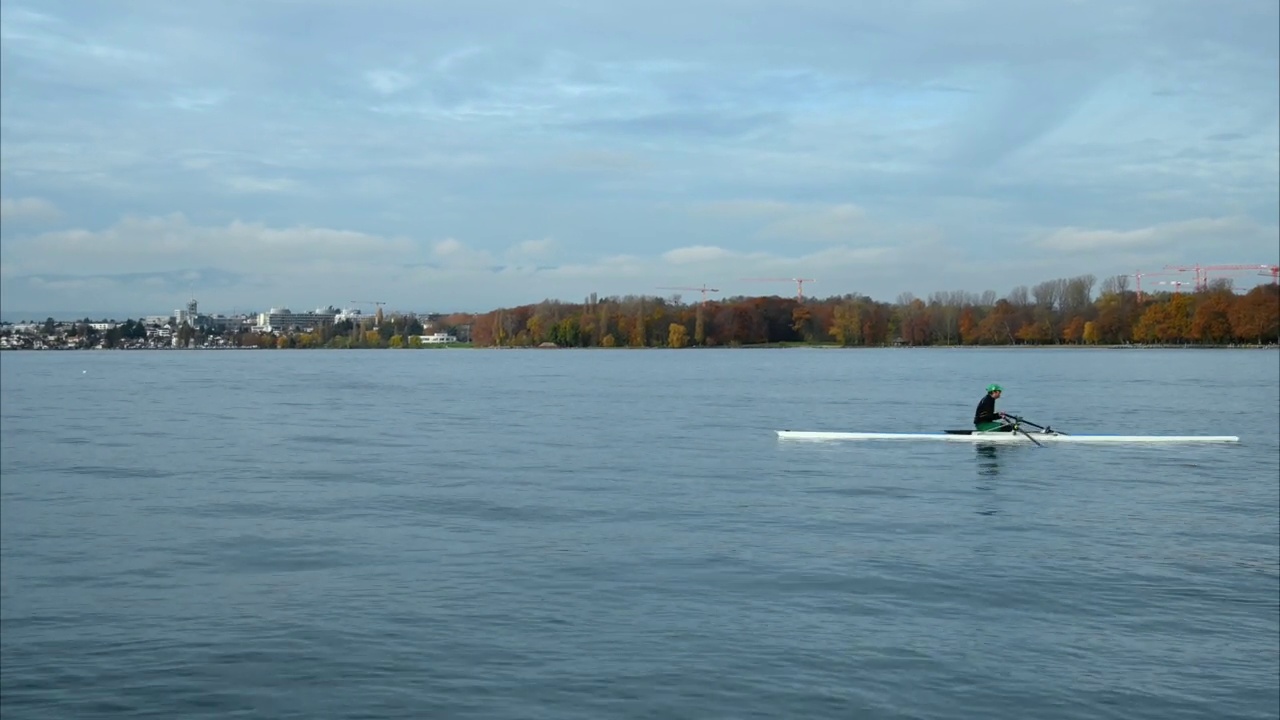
[[994, 387]]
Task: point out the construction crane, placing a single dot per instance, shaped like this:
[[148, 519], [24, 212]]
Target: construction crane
[[1177, 284], [1202, 271], [1271, 270], [1138, 274], [377, 316], [798, 281], [704, 290], [1196, 269]]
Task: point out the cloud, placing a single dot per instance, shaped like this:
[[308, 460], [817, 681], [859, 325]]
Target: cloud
[[246, 184], [695, 254], [73, 285], [388, 82], [50, 38], [737, 209], [147, 264], [450, 61], [1166, 235], [1078, 239], [689, 124], [163, 244], [808, 222], [841, 222], [454, 255], [28, 209], [529, 251], [194, 99]]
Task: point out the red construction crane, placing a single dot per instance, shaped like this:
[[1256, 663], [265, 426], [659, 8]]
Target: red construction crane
[[798, 281], [1202, 271], [1272, 270], [704, 290]]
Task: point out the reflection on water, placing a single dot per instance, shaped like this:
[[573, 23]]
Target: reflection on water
[[988, 462], [988, 468]]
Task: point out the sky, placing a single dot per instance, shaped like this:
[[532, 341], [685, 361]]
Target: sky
[[464, 156]]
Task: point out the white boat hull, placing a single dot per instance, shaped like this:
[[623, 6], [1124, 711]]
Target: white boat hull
[[1005, 437]]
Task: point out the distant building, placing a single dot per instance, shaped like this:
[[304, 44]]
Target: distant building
[[354, 316], [187, 315], [225, 323], [437, 339], [284, 319]]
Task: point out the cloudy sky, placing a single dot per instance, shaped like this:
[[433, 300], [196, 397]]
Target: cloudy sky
[[469, 155]]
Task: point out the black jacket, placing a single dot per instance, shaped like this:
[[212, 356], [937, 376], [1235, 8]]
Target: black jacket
[[986, 410]]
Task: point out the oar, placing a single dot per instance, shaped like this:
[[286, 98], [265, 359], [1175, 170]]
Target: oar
[[1024, 432], [1017, 422], [1024, 421]]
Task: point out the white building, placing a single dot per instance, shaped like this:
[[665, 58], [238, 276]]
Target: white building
[[188, 314], [354, 316], [437, 339], [284, 319]]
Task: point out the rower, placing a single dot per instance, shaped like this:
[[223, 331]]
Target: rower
[[985, 418]]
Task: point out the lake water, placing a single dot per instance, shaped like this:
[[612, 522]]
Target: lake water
[[620, 534]]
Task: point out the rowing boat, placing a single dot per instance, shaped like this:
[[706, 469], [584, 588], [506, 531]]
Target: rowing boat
[[1004, 437]]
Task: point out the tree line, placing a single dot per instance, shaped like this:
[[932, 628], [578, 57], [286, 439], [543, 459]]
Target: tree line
[[1056, 312]]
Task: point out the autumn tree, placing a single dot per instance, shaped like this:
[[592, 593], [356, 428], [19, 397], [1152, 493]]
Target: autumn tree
[[1211, 322], [1255, 317], [1090, 333], [677, 335], [802, 322], [968, 326], [846, 324], [1073, 331]]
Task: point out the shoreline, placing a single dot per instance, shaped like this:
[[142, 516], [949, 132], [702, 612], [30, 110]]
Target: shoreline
[[768, 346]]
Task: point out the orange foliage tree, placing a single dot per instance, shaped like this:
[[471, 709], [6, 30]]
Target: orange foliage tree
[[1062, 311]]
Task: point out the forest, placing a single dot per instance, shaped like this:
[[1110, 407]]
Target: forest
[[1055, 312]]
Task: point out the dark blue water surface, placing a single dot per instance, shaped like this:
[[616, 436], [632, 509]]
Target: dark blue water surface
[[620, 534]]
